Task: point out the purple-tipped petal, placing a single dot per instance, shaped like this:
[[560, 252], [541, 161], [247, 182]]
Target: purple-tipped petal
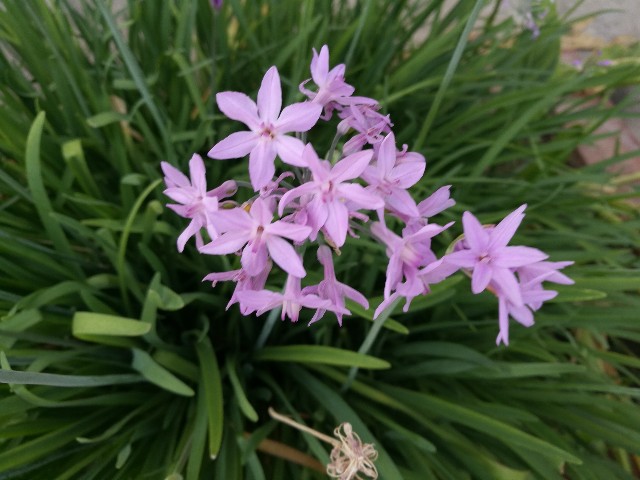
[[270, 96], [238, 106], [236, 145]]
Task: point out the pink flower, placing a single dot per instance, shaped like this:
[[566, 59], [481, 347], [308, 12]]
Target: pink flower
[[333, 290], [406, 254], [243, 282], [268, 128], [333, 91], [391, 180], [291, 300], [490, 258], [195, 202], [329, 191], [260, 236], [369, 124]]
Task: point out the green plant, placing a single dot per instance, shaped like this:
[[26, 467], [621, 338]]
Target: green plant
[[120, 363]]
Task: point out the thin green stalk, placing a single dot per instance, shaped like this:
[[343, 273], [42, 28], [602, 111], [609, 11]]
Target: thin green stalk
[[369, 339]]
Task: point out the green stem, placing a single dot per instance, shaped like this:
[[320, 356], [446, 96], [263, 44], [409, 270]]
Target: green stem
[[369, 339]]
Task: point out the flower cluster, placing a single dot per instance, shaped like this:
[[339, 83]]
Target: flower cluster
[[322, 201]]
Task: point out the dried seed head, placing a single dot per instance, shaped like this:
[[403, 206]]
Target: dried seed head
[[351, 456]]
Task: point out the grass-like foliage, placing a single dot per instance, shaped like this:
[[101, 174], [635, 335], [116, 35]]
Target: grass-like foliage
[[117, 362]]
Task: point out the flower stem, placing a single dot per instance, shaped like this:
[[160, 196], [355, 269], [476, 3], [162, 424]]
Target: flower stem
[[303, 428], [267, 327], [368, 341]]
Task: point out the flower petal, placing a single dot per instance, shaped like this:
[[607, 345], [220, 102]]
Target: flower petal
[[402, 202], [387, 155], [337, 222], [261, 164], [508, 285], [303, 189], [298, 117], [238, 106], [352, 166], [292, 231], [226, 243], [320, 65], [290, 150], [254, 258], [503, 232], [285, 256], [406, 175], [173, 176], [198, 174], [475, 235], [481, 277], [513, 257], [360, 196], [270, 96], [236, 145]]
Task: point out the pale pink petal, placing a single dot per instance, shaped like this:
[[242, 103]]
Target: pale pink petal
[[180, 195], [317, 213], [297, 233], [254, 258], [236, 145], [261, 164], [428, 231], [437, 202], [290, 150], [394, 274], [475, 235], [194, 227], [285, 256], [402, 202], [235, 219], [406, 175], [503, 232], [299, 117], [352, 166], [260, 212], [258, 301], [522, 315], [173, 176], [294, 193], [238, 106], [227, 189], [226, 243], [387, 155], [320, 65], [513, 257], [463, 258], [337, 222], [355, 295], [311, 160], [360, 196], [481, 277], [503, 322], [198, 174], [270, 96], [508, 285]]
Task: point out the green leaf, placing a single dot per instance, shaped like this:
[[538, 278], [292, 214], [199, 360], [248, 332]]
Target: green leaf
[[210, 378], [105, 118], [84, 381], [89, 323], [158, 375], [319, 354]]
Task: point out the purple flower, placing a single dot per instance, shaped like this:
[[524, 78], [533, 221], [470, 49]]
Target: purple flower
[[333, 91], [406, 254], [260, 236], [217, 4], [391, 179], [268, 126], [329, 192], [291, 300], [333, 290], [243, 282], [195, 202], [490, 258], [369, 124]]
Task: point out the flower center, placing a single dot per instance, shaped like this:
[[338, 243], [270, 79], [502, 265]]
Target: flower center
[[267, 131]]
